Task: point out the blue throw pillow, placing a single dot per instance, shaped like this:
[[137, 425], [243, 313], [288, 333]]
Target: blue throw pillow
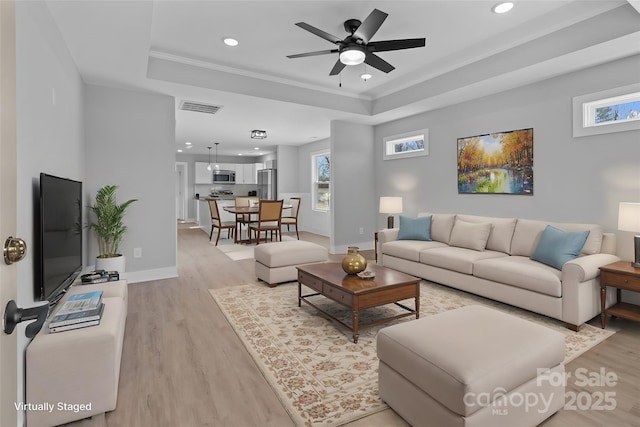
[[557, 247], [415, 228]]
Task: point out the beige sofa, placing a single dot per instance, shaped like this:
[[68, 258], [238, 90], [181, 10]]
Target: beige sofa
[[502, 269]]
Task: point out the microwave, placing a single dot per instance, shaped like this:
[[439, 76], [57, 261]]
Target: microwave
[[224, 177]]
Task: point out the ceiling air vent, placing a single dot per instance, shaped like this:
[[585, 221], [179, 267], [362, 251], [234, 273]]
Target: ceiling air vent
[[199, 107]]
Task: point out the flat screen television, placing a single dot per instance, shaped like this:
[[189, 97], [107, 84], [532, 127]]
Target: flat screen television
[[58, 236]]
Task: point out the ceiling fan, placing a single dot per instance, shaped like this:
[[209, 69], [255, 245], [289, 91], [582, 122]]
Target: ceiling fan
[[356, 48]]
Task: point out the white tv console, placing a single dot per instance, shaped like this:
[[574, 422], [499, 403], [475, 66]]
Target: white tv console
[[74, 374]]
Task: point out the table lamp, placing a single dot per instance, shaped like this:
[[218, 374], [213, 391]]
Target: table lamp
[[390, 205], [629, 220]]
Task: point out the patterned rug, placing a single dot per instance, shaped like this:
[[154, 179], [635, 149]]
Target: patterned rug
[[319, 374], [236, 251]]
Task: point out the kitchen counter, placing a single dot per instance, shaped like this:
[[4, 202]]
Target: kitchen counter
[[205, 198]]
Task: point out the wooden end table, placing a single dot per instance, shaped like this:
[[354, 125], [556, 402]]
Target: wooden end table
[[620, 275], [388, 287]]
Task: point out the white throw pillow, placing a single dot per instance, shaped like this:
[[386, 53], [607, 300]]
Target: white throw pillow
[[470, 235]]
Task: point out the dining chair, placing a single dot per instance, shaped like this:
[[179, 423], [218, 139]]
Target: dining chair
[[216, 222], [269, 220], [292, 219]]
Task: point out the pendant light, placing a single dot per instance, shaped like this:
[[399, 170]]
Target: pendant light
[[209, 165], [217, 166]]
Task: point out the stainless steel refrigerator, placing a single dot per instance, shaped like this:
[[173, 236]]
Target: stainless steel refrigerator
[[267, 184]]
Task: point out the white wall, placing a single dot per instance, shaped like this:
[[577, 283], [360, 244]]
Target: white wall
[[353, 192], [50, 133], [130, 142]]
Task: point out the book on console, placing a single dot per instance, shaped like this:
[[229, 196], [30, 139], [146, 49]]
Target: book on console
[[81, 302], [74, 326], [77, 317], [100, 276]]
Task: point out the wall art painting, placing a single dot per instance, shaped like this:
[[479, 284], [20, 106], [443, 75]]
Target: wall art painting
[[496, 163]]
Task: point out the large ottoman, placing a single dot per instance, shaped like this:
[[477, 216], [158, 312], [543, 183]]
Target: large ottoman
[[276, 262], [473, 366]]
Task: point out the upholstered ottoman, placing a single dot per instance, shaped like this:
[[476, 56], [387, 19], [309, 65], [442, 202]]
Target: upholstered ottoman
[[276, 262], [473, 366]]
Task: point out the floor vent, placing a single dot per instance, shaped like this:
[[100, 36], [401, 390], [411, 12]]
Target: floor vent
[[199, 107]]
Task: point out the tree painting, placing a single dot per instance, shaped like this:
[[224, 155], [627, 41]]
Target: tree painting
[[498, 163]]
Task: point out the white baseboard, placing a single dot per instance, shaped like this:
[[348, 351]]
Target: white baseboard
[[363, 246]]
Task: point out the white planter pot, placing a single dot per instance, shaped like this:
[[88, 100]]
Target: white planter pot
[[111, 264]]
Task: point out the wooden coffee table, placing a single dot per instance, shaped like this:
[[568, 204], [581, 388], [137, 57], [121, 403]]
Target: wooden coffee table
[[388, 287]]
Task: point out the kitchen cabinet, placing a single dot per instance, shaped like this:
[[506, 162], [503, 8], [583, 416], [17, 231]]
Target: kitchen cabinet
[[203, 175], [246, 173]]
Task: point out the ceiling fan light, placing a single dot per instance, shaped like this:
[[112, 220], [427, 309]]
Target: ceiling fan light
[[352, 55], [502, 7]]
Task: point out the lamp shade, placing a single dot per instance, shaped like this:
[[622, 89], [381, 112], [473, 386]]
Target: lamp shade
[[390, 205], [629, 217]]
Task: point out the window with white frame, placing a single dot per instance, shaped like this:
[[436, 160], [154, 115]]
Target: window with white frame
[[321, 181], [406, 145], [608, 111], [618, 109]]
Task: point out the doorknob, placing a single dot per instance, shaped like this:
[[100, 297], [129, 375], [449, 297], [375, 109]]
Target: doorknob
[[15, 249], [14, 315]]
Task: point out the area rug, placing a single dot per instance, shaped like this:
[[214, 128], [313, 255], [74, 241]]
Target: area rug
[[237, 251], [318, 373]]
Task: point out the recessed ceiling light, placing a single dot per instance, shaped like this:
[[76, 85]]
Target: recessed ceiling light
[[256, 148], [239, 154], [179, 151], [365, 76], [502, 7], [230, 41], [187, 143]]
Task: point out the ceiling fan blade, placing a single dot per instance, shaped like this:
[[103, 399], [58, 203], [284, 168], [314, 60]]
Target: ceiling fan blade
[[337, 68], [387, 45], [370, 25], [318, 32], [379, 63], [319, 52]]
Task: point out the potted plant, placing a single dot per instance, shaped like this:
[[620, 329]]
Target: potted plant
[[109, 228]]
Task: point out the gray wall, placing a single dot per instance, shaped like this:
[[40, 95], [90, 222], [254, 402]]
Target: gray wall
[[309, 220], [288, 181], [352, 190], [575, 179], [50, 133], [130, 142]]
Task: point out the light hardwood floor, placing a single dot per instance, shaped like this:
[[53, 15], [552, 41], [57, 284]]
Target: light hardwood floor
[[183, 365]]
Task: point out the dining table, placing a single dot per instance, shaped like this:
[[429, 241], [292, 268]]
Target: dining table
[[245, 210]]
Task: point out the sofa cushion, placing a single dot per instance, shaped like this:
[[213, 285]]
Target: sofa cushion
[[522, 272], [415, 228], [469, 235], [456, 259], [408, 249], [501, 231], [528, 232], [556, 247], [441, 226]]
